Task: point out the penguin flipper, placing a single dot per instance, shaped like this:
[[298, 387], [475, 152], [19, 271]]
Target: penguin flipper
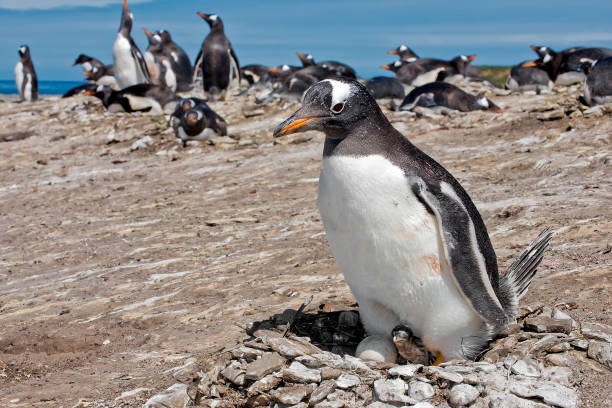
[[235, 73], [140, 61], [457, 238]]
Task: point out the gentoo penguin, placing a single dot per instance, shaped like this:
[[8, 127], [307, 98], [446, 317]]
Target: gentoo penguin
[[160, 65], [425, 70], [565, 67], [410, 242], [523, 78], [89, 88], [130, 67], [25, 76], [180, 61], [438, 93], [181, 108], [254, 72], [151, 98], [217, 59], [384, 87], [598, 84], [404, 53], [200, 123], [337, 68], [95, 71], [410, 347]]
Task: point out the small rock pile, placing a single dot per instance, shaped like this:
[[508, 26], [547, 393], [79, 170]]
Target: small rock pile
[[531, 365]]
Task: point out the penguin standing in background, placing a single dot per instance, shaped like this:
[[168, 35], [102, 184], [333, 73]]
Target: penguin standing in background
[[217, 60], [410, 242], [130, 67], [179, 60], [25, 76], [160, 65]]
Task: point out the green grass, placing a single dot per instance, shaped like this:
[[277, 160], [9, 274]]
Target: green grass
[[495, 74]]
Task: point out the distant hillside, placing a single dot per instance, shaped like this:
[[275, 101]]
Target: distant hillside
[[495, 74]]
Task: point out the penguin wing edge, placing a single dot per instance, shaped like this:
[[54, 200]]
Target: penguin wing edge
[[458, 239]]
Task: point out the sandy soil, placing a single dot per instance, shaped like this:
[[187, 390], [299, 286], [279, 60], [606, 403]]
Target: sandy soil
[[118, 265]]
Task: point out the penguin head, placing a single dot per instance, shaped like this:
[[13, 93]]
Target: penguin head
[[394, 66], [405, 53], [81, 59], [126, 19], [307, 59], [461, 62], [165, 36], [542, 50], [586, 65], [333, 106], [486, 104], [213, 20], [24, 52]]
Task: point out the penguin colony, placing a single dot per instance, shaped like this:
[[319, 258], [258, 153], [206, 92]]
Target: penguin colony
[[410, 242]]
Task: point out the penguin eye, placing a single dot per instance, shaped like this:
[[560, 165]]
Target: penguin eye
[[337, 108]]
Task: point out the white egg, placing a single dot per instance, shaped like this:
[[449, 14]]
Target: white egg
[[377, 348]]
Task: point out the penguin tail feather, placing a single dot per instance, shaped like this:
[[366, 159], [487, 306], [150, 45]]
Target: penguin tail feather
[[522, 271]]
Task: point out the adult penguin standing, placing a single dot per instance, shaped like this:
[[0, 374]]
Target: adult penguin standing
[[25, 76], [217, 60], [130, 67]]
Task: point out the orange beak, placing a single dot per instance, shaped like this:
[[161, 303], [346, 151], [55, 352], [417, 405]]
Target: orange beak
[[147, 32], [204, 16], [293, 126], [392, 52], [192, 119], [472, 57], [530, 64], [125, 6], [499, 111], [533, 47], [89, 93], [385, 67], [274, 69], [300, 55]]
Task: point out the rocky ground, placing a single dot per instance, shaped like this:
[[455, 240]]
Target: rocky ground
[[129, 263]]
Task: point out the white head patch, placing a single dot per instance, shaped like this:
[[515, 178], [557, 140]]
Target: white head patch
[[100, 88], [157, 38], [547, 58], [22, 49], [285, 67], [463, 57], [341, 91], [403, 47], [543, 49], [397, 64], [588, 61], [309, 57], [213, 17], [483, 102]]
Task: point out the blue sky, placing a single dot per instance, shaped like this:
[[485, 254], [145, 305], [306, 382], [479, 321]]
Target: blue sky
[[271, 31]]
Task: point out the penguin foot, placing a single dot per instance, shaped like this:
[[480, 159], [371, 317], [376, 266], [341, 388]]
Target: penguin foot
[[411, 347]]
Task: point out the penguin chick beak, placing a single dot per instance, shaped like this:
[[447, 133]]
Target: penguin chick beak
[[392, 52], [292, 125], [530, 64]]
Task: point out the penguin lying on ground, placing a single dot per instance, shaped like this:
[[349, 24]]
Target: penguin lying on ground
[[254, 72], [150, 98], [384, 87], [337, 68], [425, 70], [407, 55], [436, 94], [522, 78], [217, 62], [404, 53], [25, 76], [129, 64], [598, 84], [200, 123], [89, 88], [410, 242], [181, 108]]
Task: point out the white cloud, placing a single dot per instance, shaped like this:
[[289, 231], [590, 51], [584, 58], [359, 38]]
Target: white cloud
[[51, 4]]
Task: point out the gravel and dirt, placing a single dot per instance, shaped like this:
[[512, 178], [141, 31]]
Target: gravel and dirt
[[123, 254]]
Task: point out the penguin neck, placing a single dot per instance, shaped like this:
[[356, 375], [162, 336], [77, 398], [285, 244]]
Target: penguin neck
[[552, 67]]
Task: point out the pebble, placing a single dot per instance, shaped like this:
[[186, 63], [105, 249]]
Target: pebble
[[322, 391], [420, 390], [299, 373], [527, 367], [550, 392], [405, 371], [264, 385], [601, 352], [392, 391], [346, 381], [447, 375], [141, 143], [558, 348], [580, 344], [543, 324], [328, 373], [560, 375], [463, 394], [292, 394], [597, 331], [551, 115], [174, 397], [561, 359], [268, 363], [234, 373], [504, 400]]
